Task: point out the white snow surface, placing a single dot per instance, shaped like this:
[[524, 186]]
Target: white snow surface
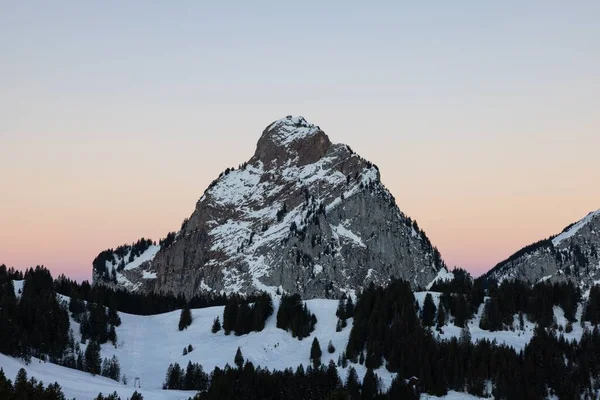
[[145, 256], [290, 129], [516, 339], [348, 234], [146, 345], [18, 285], [443, 275], [575, 228], [81, 385]]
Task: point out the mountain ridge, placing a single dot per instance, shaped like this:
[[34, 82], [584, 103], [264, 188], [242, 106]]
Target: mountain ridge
[[303, 215], [571, 255]]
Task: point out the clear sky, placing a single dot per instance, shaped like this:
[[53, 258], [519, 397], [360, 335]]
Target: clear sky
[[484, 117]]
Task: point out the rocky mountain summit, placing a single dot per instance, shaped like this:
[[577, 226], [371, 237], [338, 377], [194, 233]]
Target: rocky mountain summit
[[571, 255], [302, 215]]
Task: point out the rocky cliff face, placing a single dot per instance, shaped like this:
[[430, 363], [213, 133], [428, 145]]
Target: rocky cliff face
[[571, 255], [303, 215]]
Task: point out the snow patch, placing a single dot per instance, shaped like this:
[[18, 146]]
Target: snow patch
[[348, 234], [575, 228], [18, 284], [443, 275]]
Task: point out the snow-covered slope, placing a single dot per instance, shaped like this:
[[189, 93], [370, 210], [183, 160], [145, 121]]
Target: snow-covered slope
[[81, 385], [303, 214], [571, 255], [146, 345]]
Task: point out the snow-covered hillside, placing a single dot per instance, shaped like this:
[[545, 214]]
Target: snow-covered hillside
[[146, 346]]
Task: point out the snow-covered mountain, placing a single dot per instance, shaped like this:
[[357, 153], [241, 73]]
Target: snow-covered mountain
[[571, 255], [303, 215]]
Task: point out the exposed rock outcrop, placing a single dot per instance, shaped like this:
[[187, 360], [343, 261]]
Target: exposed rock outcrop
[[303, 215], [571, 255]]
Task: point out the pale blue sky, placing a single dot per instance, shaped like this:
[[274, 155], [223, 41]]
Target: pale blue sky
[[115, 115]]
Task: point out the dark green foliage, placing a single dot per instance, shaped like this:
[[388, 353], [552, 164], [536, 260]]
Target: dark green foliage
[[216, 327], [491, 319], [93, 360], [134, 250], [185, 318], [537, 302], [238, 359], [315, 353], [43, 320], [330, 348], [134, 303], [370, 385], [592, 306], [167, 241], [111, 368], [255, 383], [294, 316], [193, 378], [24, 389], [136, 396], [242, 317], [352, 384], [440, 317], [428, 312], [97, 325], [37, 324]]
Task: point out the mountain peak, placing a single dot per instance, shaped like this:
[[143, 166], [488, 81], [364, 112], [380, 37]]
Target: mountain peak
[[291, 140], [303, 215]]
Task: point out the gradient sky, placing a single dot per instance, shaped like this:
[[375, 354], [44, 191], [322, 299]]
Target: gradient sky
[[484, 117]]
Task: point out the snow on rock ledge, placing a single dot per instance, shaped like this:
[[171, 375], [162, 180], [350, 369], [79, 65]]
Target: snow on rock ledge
[[303, 215]]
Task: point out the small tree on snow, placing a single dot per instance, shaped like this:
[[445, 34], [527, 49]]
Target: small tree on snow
[[330, 347], [185, 318], [216, 327], [238, 359], [315, 353]]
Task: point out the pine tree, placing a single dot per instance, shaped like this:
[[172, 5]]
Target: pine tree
[[238, 359], [93, 362], [465, 336], [216, 327], [315, 353], [330, 348], [341, 309], [349, 308], [441, 316], [428, 313], [185, 318], [370, 387], [352, 385], [136, 396]]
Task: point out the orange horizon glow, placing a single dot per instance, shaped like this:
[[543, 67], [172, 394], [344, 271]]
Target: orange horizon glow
[[483, 119]]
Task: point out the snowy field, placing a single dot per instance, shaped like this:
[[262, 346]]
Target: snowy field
[[146, 345]]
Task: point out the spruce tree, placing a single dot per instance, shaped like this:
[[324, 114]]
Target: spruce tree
[[315, 353], [428, 312], [93, 362], [370, 387], [238, 359], [352, 384], [185, 318], [216, 327], [136, 396], [330, 347], [440, 317]]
